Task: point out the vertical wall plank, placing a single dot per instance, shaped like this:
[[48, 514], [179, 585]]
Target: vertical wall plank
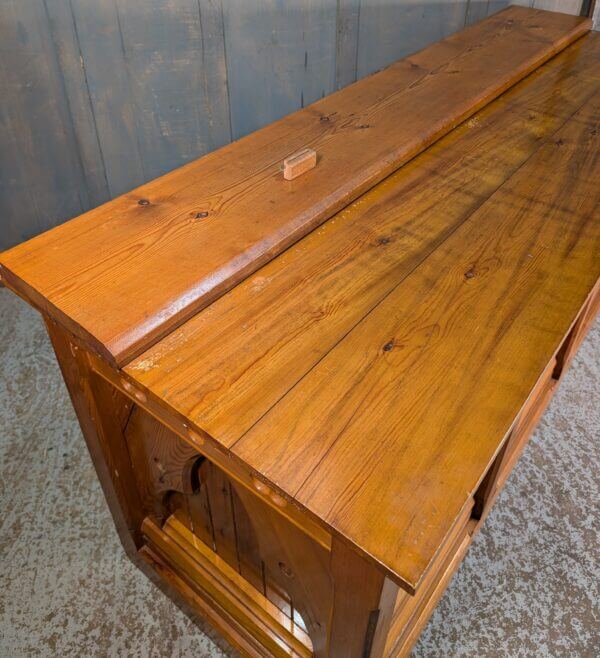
[[40, 178], [476, 11], [100, 96], [564, 6], [346, 56], [66, 42], [389, 31], [280, 56], [495, 6], [176, 73], [103, 57]]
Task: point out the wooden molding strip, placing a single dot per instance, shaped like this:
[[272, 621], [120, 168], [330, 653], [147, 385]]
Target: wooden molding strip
[[225, 589]]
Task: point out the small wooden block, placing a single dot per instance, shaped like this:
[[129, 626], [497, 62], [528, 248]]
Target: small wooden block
[[299, 163]]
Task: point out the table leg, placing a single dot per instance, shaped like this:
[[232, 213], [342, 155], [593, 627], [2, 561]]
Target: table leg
[[102, 413], [363, 603]]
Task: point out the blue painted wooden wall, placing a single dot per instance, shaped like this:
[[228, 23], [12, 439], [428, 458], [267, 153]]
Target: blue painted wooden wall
[[98, 96]]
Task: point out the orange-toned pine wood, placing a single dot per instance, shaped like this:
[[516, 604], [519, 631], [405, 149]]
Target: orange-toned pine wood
[[305, 461], [373, 440], [128, 272], [279, 323], [271, 372]]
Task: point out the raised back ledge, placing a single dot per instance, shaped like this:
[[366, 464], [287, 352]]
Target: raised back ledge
[[124, 275]]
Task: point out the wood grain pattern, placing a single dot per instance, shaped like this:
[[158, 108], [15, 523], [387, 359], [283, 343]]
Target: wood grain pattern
[[359, 623], [156, 233], [346, 51], [408, 608], [369, 440], [35, 126], [390, 30], [81, 111], [295, 563], [199, 605], [101, 412], [102, 52], [281, 321], [229, 595], [337, 426], [176, 71], [280, 57], [161, 461], [220, 501]]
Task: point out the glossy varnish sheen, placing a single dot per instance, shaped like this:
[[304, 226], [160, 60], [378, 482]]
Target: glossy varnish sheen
[[281, 321], [369, 372], [125, 274], [305, 461]]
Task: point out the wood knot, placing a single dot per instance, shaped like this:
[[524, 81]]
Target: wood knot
[[389, 346], [469, 274], [285, 570], [143, 202]]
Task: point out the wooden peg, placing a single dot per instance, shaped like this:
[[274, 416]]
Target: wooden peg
[[300, 162]]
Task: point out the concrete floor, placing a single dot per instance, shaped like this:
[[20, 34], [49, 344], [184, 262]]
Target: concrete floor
[[528, 587]]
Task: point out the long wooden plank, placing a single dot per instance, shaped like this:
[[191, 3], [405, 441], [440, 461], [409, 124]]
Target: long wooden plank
[[81, 112], [222, 587], [102, 54], [390, 30], [387, 435], [35, 194], [227, 366], [296, 69], [175, 50], [125, 274]]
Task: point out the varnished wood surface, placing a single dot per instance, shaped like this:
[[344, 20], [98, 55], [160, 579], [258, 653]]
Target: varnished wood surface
[[388, 435], [127, 273], [385, 432], [232, 599], [270, 330]]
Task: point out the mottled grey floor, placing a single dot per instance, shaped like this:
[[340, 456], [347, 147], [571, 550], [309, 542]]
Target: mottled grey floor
[[528, 587]]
